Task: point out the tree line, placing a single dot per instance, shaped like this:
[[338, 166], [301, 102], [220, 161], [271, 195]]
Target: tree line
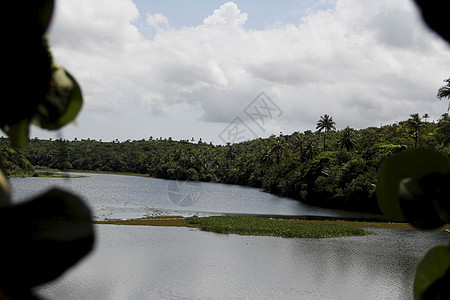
[[327, 167]]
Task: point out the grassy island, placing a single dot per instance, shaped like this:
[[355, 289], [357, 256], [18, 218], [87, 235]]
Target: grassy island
[[248, 225]]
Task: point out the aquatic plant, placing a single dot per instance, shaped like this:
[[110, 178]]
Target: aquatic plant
[[250, 225]]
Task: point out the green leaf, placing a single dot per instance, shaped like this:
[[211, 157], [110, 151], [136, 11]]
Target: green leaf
[[433, 274], [63, 102], [407, 164]]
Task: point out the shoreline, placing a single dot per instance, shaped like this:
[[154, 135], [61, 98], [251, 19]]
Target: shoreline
[[178, 221], [56, 171]]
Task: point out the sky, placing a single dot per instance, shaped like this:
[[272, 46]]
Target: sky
[[232, 71]]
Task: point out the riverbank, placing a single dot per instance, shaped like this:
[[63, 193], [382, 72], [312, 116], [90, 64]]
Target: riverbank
[[48, 172]]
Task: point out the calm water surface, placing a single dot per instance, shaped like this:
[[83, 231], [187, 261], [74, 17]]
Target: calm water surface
[[120, 196], [132, 262]]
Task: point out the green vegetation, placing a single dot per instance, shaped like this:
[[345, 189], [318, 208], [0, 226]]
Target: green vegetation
[[326, 124], [343, 175], [176, 221], [247, 225], [14, 163]]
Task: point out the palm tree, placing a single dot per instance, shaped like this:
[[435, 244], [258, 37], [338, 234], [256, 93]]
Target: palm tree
[[347, 140], [278, 148], [310, 150], [266, 157], [425, 117], [443, 130], [299, 141], [444, 92], [230, 155], [326, 124], [415, 123]]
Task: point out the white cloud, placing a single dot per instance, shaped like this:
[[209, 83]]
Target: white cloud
[[157, 20], [363, 62], [228, 14]]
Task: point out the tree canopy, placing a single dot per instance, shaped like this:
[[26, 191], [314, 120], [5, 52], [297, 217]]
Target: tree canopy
[[343, 175]]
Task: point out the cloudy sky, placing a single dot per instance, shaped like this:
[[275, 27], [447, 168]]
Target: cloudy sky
[[207, 68]]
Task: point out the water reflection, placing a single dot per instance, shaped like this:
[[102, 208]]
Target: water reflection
[[180, 263]]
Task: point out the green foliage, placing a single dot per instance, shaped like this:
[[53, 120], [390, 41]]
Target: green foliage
[[14, 163], [247, 225], [414, 125], [347, 139], [325, 124], [442, 132]]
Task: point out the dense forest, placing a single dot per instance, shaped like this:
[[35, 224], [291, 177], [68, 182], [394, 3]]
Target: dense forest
[[327, 167]]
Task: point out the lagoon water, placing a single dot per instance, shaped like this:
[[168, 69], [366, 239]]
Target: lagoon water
[[121, 196], [138, 262]]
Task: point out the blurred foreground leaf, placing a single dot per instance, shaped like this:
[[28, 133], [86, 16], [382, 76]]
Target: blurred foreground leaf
[[45, 235], [63, 101], [402, 174], [432, 279], [18, 133], [4, 190], [425, 201], [43, 11]]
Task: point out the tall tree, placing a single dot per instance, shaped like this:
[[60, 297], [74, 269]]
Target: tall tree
[[299, 141], [347, 139], [325, 124], [444, 92], [443, 131], [415, 123], [266, 157], [310, 150], [278, 148]]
